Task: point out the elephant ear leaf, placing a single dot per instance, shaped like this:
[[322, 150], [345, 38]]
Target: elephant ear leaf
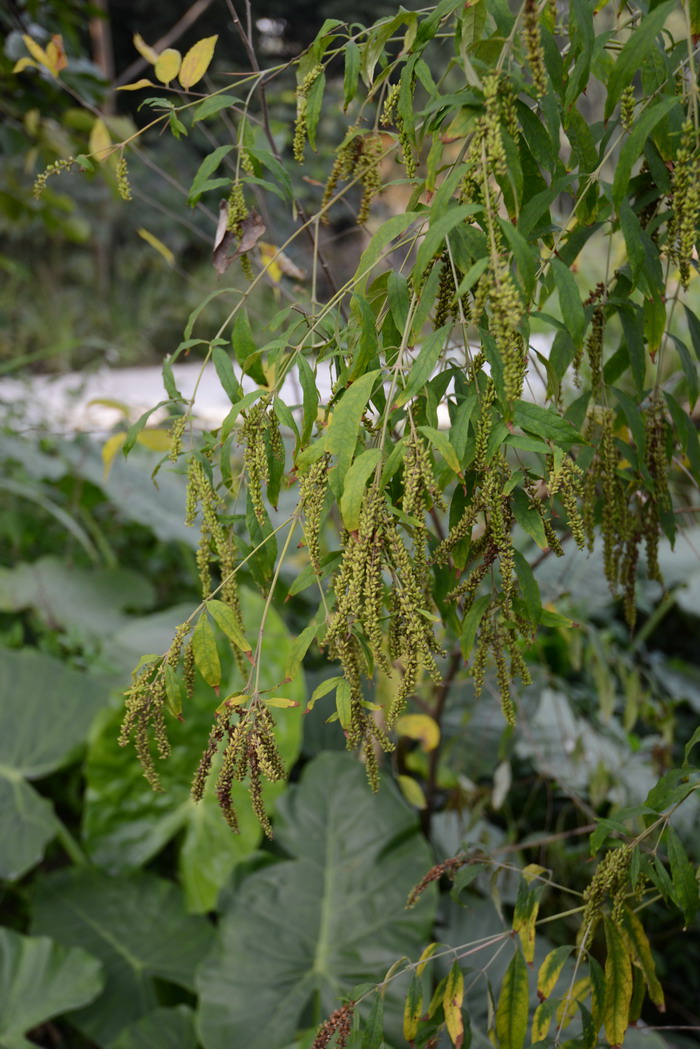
[[40, 979], [33, 745], [345, 845]]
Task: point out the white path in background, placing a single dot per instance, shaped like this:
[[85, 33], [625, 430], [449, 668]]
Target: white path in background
[[63, 404]]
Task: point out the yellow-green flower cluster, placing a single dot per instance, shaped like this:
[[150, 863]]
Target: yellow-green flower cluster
[[485, 426], [216, 542], [627, 103], [656, 429], [565, 478], [683, 228], [367, 169], [491, 126], [389, 106], [252, 434], [312, 495], [500, 641], [145, 703], [374, 549], [177, 432], [343, 167], [238, 212], [610, 882], [122, 176], [533, 47], [303, 90], [249, 752], [506, 314], [65, 164]]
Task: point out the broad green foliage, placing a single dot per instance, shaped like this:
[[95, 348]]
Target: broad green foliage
[[45, 712], [507, 379], [38, 980], [329, 916], [161, 1029], [137, 928]]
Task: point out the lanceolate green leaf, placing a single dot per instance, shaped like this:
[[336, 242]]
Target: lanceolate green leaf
[[570, 301], [423, 366], [545, 423], [435, 237], [206, 655], [634, 144], [341, 437], [374, 1031], [355, 485], [206, 168], [685, 886], [226, 620], [638, 45]]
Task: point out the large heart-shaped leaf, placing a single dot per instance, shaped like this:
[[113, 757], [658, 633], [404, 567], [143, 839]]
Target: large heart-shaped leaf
[[137, 927], [88, 602], [40, 979], [319, 923], [161, 1029], [46, 710], [126, 823]]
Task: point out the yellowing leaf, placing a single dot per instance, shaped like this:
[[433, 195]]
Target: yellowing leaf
[[567, 1008], [196, 61], [144, 50], [427, 954], [413, 1007], [100, 141], [532, 871], [24, 63], [524, 918], [38, 53], [420, 727], [156, 440], [618, 986], [268, 254], [412, 791], [541, 1021], [226, 620], [108, 402], [278, 264], [452, 1004], [157, 244], [549, 972], [638, 945], [167, 65], [137, 85], [110, 449], [235, 699], [281, 701], [56, 55]]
